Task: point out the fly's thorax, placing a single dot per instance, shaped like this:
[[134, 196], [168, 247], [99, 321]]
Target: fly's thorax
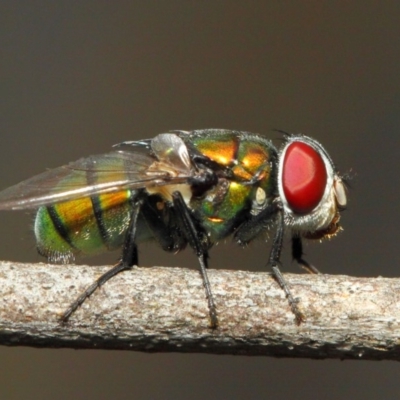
[[232, 148], [250, 158], [311, 191], [221, 208], [246, 179]]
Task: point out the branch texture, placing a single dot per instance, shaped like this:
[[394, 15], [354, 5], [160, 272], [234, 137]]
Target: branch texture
[[164, 309]]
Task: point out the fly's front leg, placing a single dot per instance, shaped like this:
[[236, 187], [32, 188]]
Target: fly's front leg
[[274, 263], [191, 232], [297, 254], [128, 259]]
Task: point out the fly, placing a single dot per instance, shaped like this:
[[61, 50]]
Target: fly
[[184, 188]]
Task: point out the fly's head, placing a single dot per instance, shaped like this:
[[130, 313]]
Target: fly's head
[[311, 191]]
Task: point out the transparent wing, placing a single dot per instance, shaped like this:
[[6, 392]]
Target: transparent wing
[[167, 163]]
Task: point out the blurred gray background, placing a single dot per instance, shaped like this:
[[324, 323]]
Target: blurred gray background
[[79, 76]]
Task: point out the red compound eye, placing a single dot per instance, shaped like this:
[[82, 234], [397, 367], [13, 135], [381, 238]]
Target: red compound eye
[[304, 177]]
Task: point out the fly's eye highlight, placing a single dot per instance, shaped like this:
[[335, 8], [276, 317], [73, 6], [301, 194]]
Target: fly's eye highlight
[[304, 177]]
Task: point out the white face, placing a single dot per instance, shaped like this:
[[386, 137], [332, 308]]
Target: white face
[[311, 191]]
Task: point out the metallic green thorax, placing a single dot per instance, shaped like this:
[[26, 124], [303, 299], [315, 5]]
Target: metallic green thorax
[[251, 158]]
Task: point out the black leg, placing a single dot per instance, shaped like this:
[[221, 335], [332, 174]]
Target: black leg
[[253, 226], [129, 258], [162, 224], [297, 254], [198, 244], [275, 263]]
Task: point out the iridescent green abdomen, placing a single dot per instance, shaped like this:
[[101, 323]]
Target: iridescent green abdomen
[[251, 159], [85, 226]]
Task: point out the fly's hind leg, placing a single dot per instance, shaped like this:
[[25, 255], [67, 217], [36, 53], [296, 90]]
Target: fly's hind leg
[[297, 254], [191, 233], [128, 260]]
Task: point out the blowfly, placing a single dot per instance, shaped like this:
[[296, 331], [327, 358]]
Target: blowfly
[[184, 188]]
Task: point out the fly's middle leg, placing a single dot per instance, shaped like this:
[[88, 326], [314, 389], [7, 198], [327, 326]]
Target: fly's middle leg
[[194, 239]]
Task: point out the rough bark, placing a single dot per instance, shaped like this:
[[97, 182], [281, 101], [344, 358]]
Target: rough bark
[[164, 309]]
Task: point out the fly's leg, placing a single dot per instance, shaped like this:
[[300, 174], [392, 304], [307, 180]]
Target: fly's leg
[[128, 259], [161, 224], [276, 273], [191, 232], [297, 254], [250, 229]]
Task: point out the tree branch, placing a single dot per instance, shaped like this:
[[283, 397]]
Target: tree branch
[[164, 309]]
